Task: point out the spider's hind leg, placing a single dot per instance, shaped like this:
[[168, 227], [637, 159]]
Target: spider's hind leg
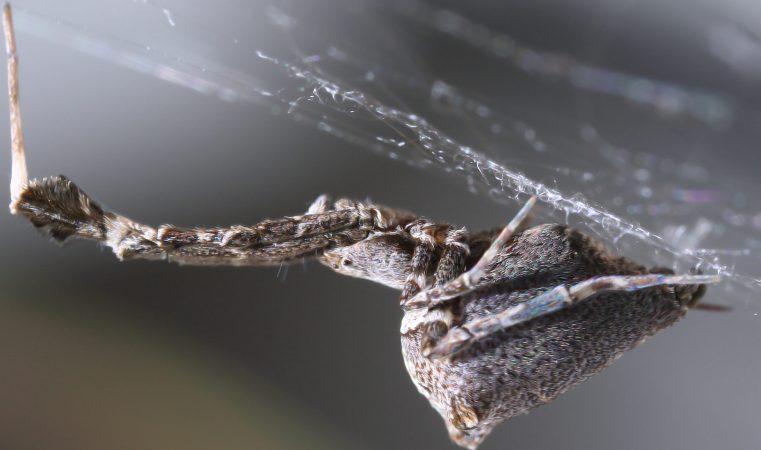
[[458, 339]]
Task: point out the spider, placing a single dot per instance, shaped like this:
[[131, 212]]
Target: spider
[[495, 322]]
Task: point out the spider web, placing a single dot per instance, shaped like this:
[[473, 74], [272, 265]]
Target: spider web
[[354, 70]]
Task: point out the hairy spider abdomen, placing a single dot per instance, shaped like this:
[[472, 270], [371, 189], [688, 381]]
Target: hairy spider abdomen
[[524, 366]]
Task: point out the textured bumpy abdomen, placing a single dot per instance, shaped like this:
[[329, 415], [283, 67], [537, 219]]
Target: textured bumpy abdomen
[[532, 363]]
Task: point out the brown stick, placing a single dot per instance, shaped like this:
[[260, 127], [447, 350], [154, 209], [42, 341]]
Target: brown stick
[[19, 176]]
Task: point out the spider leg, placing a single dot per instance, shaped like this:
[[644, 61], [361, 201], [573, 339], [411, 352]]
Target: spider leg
[[428, 237], [424, 234], [451, 264], [555, 299], [468, 281], [62, 210], [319, 205]]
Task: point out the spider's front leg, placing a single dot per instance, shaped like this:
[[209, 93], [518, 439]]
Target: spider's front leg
[[57, 206], [61, 209]]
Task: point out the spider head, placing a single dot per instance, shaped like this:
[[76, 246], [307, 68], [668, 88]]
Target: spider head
[[383, 258]]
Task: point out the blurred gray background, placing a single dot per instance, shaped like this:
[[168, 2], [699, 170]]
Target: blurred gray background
[[98, 354]]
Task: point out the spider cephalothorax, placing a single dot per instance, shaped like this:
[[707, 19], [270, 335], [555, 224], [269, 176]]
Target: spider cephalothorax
[[495, 323], [385, 258]]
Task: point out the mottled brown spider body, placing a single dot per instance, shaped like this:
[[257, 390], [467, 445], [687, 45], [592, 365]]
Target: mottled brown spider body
[[495, 323], [530, 364]]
